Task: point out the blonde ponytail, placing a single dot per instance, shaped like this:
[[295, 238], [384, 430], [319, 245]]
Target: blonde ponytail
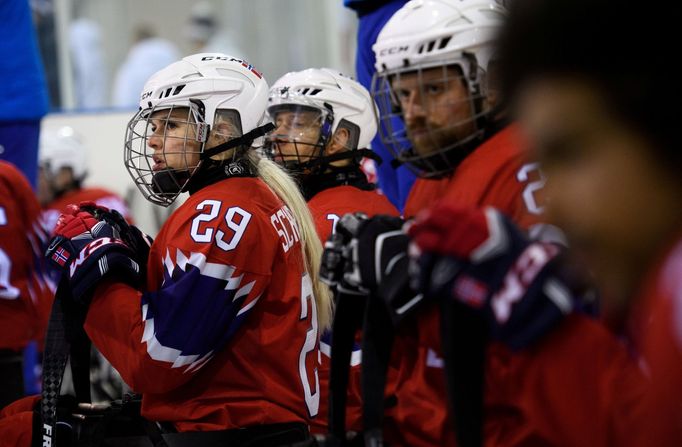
[[287, 190]]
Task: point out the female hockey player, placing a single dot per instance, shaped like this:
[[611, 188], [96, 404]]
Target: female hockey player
[[220, 335], [324, 122]]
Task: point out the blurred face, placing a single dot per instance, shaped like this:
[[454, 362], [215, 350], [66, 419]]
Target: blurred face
[[295, 135], [436, 108], [45, 194], [173, 140], [606, 190], [50, 185]]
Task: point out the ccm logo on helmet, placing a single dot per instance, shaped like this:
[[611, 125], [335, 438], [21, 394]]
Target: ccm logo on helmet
[[394, 50], [244, 64]]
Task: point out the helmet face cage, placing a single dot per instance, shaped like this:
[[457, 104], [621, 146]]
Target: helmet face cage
[[300, 137], [181, 132], [446, 143]]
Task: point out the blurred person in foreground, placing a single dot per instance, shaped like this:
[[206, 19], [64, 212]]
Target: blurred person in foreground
[[595, 95]]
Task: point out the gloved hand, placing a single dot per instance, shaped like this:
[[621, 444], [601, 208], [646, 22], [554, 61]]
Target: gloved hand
[[87, 250], [480, 258], [336, 255], [138, 241], [374, 259]]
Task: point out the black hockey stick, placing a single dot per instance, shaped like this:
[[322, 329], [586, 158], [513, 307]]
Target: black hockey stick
[[464, 341]]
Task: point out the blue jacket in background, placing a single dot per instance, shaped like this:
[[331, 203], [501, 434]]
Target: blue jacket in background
[[373, 15], [23, 95]]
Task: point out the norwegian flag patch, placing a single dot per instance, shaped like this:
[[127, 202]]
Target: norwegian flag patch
[[61, 256], [470, 291]]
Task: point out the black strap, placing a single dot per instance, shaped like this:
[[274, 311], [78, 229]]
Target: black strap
[[356, 154], [347, 321], [464, 338], [352, 175], [377, 343], [244, 140], [268, 435]]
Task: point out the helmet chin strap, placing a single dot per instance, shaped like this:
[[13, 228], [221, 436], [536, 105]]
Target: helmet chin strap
[[355, 154], [244, 140], [169, 181]]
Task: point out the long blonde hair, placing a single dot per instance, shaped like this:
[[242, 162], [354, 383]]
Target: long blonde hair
[[287, 190]]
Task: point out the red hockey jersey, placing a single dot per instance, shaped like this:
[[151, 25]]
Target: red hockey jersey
[[327, 207], [226, 334], [539, 396], [25, 290], [100, 196], [655, 328]]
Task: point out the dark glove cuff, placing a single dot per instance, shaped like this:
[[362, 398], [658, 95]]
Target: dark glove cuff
[[116, 264]]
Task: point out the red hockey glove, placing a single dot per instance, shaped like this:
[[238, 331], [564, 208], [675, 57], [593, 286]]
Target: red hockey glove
[[482, 259], [138, 241], [86, 250]]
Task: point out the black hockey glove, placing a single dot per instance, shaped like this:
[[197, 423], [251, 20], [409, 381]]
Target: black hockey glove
[[87, 250], [377, 261], [480, 258]]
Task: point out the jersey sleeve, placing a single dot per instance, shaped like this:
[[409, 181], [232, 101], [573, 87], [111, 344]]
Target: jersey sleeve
[[160, 338], [25, 288]]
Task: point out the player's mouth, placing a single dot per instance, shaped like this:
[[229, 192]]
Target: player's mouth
[[158, 164]]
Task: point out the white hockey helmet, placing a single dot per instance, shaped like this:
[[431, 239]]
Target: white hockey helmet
[[205, 84], [340, 100], [426, 34], [440, 32], [62, 148]]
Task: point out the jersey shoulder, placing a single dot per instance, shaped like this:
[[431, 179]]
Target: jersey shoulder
[[346, 199], [328, 206], [500, 174]]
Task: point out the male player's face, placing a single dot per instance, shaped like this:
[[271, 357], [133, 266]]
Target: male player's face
[[295, 134], [605, 189], [173, 140], [436, 107]]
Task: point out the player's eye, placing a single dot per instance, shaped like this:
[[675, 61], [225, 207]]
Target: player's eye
[[402, 94], [433, 89]]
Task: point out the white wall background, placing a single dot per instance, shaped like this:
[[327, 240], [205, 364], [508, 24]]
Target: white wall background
[[276, 36]]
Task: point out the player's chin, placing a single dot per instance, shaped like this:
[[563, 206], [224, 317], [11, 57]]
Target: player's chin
[[424, 146]]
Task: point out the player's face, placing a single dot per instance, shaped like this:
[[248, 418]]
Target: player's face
[[605, 189], [45, 193], [295, 135], [173, 139], [436, 108]]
